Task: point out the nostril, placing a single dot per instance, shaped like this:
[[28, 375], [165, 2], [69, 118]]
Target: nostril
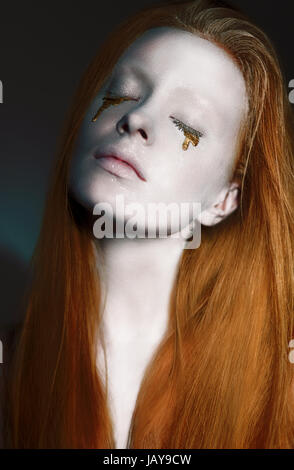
[[126, 127], [143, 133]]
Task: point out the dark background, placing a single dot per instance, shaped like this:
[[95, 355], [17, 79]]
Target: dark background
[[44, 49]]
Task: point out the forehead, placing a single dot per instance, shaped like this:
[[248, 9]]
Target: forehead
[[179, 60]]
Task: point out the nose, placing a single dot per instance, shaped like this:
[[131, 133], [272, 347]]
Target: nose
[[136, 123]]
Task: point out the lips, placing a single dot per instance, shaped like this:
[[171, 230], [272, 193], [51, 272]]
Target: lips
[[126, 162]]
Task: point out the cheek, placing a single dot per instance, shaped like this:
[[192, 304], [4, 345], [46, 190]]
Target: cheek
[[181, 179], [91, 131], [198, 174], [84, 142], [217, 170], [89, 136], [221, 159]]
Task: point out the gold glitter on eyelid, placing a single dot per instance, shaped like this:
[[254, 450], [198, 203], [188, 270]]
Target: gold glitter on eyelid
[[191, 136], [189, 139], [109, 101]]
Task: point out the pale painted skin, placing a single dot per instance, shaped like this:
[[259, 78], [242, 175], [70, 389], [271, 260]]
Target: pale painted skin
[[195, 81]]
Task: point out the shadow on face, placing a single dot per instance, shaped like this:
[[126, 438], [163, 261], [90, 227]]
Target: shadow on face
[[167, 128]]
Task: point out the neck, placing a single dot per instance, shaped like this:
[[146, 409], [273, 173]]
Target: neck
[[137, 277]]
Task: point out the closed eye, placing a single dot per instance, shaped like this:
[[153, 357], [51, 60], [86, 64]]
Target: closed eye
[[191, 135], [112, 96], [109, 100], [183, 127]]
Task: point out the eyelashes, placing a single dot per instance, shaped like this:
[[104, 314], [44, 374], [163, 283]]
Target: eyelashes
[[191, 135], [109, 100]]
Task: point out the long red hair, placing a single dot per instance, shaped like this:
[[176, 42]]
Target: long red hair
[[220, 377]]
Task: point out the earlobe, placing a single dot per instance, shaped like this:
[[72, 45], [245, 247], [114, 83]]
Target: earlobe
[[228, 203]]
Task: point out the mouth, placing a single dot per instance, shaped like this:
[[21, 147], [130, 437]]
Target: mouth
[[118, 166]]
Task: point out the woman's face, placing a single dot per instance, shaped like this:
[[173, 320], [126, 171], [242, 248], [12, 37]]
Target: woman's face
[[171, 78]]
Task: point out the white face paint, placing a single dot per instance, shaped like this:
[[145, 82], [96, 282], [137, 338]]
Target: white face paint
[[168, 73]]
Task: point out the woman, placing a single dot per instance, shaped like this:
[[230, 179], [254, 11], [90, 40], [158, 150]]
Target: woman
[[192, 96]]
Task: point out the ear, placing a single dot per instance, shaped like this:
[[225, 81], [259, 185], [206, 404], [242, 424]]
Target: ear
[[227, 202]]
